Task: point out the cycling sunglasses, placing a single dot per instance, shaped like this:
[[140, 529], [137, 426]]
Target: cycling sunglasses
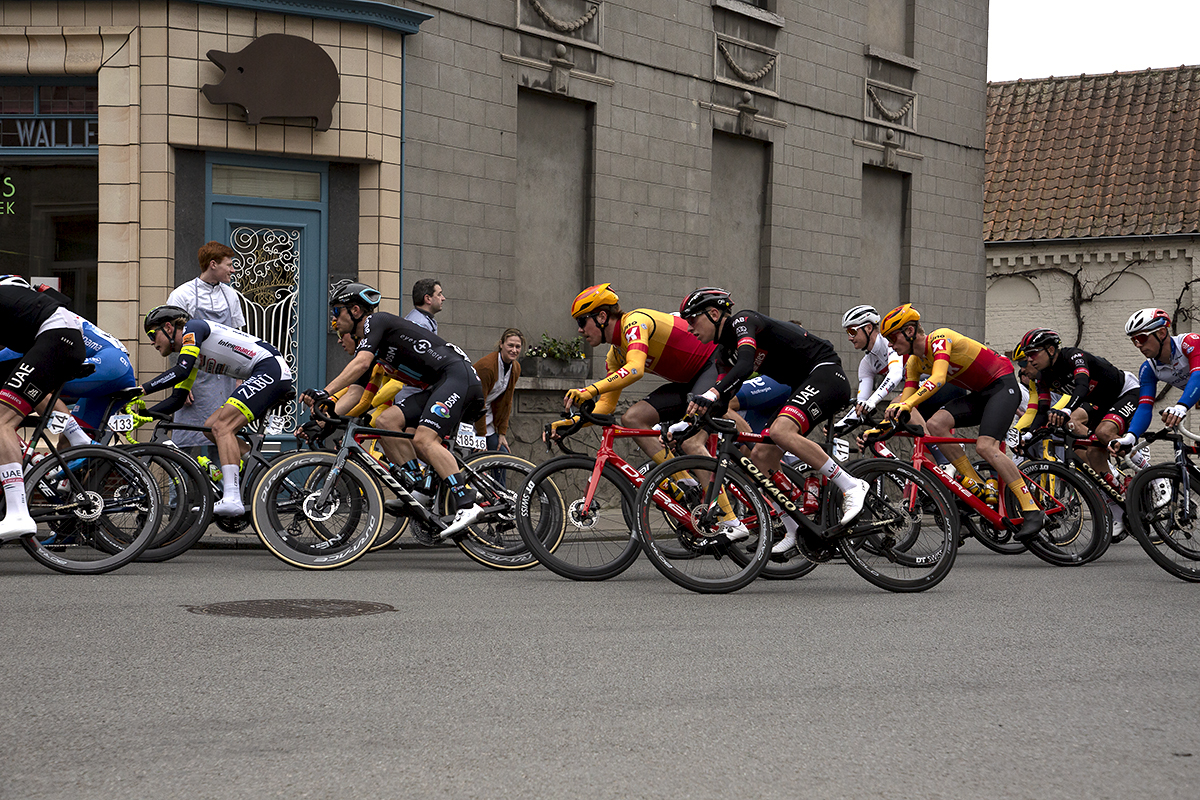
[[1140, 339], [582, 321]]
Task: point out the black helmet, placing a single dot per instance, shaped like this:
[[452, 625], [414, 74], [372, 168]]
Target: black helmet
[[162, 315], [1036, 339], [345, 291], [702, 298]]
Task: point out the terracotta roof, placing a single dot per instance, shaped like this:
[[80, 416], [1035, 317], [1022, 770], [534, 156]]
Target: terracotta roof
[[1093, 155]]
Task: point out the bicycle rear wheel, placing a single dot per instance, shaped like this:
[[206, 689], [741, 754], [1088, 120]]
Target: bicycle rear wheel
[[1078, 524], [905, 539], [494, 540], [1164, 518], [303, 531], [185, 501], [581, 538], [683, 544], [103, 523]]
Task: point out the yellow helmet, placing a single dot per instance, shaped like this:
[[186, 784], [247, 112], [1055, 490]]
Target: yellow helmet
[[897, 318], [592, 298]]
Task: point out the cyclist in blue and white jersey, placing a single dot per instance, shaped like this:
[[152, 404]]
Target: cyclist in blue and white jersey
[[214, 348]]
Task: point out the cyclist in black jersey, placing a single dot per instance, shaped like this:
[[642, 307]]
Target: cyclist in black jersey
[[450, 389], [51, 339], [750, 342], [1103, 398]]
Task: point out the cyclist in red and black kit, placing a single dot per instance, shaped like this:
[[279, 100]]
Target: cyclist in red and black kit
[[51, 339], [450, 391], [1103, 398], [750, 342]]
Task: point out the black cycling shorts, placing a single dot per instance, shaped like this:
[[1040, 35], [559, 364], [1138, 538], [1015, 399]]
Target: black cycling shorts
[[1120, 413], [818, 397], [671, 399], [262, 390], [54, 359], [456, 397], [991, 408]]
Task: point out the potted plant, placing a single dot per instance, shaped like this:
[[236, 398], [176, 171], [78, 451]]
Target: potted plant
[[555, 358]]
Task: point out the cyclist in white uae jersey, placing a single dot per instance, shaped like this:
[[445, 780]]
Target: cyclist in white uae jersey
[[218, 349]]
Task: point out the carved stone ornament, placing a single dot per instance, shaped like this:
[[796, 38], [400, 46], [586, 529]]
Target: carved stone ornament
[[277, 75]]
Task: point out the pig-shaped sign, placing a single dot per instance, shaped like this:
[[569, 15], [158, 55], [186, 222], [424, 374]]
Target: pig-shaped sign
[[277, 75]]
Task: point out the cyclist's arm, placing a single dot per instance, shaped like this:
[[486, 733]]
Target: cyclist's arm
[[1145, 410], [357, 366], [915, 394], [1083, 384], [1191, 391], [180, 377], [617, 379], [895, 373], [741, 368], [866, 380]]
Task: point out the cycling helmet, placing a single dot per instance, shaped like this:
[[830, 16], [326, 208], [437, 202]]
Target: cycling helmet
[[15, 280], [705, 297], [897, 318], [859, 316], [162, 315], [1147, 320], [592, 298], [1036, 339], [345, 291]]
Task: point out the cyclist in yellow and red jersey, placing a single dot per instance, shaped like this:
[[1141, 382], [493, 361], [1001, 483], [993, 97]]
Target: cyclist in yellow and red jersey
[[993, 396], [642, 341]]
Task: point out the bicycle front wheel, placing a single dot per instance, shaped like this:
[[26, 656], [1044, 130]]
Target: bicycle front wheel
[[494, 540], [577, 530], [1163, 518], [905, 539], [102, 519], [306, 531], [682, 536], [185, 500], [1078, 524]]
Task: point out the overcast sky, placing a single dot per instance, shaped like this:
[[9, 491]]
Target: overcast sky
[[1040, 38]]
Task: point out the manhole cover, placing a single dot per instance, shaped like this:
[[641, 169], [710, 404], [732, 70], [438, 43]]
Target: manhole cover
[[292, 609]]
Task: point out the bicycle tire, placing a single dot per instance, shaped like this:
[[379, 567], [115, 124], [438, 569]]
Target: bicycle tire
[[185, 493], [298, 533], [1078, 523], [110, 525], [1168, 533], [496, 542], [583, 544], [913, 540], [708, 567]]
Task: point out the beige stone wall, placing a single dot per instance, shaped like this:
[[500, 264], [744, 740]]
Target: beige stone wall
[[150, 63]]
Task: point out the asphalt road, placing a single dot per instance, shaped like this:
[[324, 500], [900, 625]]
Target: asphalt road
[[1010, 679]]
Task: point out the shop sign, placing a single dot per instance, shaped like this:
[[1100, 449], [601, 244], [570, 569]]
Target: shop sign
[[49, 133]]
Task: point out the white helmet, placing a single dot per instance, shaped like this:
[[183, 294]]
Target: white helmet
[[860, 315], [15, 280], [1147, 320]]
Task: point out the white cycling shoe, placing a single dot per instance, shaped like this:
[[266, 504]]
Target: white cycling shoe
[[229, 507], [462, 518], [852, 501], [733, 530], [14, 526]]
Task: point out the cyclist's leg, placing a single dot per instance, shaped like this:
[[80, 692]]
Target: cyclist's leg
[[824, 392], [270, 381]]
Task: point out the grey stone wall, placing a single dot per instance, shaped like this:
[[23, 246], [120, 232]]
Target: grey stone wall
[[659, 84]]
